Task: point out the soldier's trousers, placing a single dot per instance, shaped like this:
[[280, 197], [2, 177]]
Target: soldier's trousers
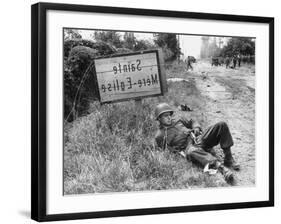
[[212, 136], [189, 66]]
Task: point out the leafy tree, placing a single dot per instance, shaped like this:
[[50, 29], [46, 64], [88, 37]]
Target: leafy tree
[[123, 50], [100, 46], [214, 50], [204, 47], [210, 47], [129, 40], [110, 37], [79, 84], [71, 34], [169, 43], [239, 45], [143, 45]]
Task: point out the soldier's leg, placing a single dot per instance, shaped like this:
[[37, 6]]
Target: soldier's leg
[[189, 66], [216, 134], [201, 157], [198, 155], [219, 134]]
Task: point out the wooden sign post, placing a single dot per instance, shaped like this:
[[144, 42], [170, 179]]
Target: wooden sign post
[[130, 76]]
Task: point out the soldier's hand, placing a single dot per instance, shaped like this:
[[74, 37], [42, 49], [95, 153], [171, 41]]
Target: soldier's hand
[[197, 131]]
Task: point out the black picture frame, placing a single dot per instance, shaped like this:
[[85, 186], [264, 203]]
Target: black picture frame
[[39, 110]]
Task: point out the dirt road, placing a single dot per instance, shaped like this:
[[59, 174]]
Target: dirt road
[[230, 96]]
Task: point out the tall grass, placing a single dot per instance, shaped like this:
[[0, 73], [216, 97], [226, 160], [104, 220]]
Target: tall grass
[[112, 149]]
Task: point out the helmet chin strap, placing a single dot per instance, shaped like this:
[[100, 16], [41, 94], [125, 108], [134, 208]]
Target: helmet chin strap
[[165, 138]]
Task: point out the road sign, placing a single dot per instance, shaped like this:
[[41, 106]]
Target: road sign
[[130, 76]]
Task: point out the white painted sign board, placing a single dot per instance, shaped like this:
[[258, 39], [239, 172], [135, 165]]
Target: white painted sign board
[[129, 76]]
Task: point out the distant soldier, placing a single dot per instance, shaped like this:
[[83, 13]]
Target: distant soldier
[[234, 61], [189, 61], [239, 60], [227, 62], [221, 61], [215, 61]]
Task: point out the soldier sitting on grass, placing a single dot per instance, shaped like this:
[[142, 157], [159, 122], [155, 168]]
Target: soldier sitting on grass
[[186, 138]]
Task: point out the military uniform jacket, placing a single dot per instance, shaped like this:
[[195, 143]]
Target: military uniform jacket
[[175, 137]]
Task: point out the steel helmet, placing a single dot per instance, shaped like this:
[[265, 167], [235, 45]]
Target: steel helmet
[[162, 108]]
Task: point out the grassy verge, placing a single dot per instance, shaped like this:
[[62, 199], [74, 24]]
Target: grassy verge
[[112, 149]]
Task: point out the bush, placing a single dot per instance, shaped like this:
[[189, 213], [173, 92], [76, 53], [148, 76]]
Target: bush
[[101, 47], [169, 44], [123, 50], [79, 54]]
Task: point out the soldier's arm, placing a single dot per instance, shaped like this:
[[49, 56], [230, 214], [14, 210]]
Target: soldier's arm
[[191, 124], [196, 124]]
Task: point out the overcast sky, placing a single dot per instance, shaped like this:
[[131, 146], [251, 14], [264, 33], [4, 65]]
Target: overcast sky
[[190, 45]]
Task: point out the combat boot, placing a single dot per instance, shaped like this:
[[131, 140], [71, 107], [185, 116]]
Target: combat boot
[[227, 174], [229, 161]]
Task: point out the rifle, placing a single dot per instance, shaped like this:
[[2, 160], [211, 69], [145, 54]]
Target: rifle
[[193, 137]]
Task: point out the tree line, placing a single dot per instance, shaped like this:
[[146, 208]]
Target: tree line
[[227, 47]]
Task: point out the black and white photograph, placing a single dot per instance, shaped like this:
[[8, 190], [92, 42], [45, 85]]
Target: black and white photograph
[[147, 111], [121, 112], [141, 112]]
